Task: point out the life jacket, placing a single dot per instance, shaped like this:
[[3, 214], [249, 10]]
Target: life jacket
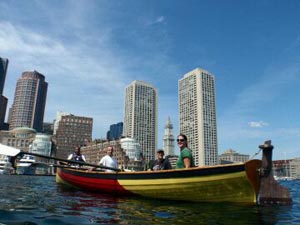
[[76, 157]]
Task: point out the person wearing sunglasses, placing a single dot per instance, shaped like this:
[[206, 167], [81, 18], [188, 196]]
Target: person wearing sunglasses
[[185, 159]]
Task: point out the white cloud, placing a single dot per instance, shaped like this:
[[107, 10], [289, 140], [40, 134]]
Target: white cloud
[[157, 20], [257, 124], [84, 79], [160, 19], [78, 83]]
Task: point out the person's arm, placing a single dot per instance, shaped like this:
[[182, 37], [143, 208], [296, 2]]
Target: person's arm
[[102, 161], [187, 162], [70, 157]]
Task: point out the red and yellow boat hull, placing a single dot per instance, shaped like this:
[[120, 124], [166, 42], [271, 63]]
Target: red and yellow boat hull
[[226, 183]]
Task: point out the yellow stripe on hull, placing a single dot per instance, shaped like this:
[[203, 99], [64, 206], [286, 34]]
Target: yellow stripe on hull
[[234, 187]]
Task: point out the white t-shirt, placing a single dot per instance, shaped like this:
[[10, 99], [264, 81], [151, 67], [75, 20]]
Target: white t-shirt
[[109, 162]]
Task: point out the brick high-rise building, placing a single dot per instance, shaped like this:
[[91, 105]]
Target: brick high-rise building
[[29, 102], [197, 115], [71, 131]]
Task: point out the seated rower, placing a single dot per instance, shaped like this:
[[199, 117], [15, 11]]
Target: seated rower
[[108, 160], [160, 163], [76, 155]]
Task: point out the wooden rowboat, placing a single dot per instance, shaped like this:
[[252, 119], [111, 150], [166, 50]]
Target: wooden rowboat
[[251, 182]]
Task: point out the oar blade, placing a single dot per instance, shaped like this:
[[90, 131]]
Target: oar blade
[[8, 150]]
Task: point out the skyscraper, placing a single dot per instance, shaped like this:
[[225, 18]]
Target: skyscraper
[[3, 71], [168, 139], [3, 99], [29, 101], [140, 117], [197, 115]]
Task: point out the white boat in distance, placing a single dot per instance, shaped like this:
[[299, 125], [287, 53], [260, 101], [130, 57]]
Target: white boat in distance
[[284, 178], [6, 166], [24, 165]]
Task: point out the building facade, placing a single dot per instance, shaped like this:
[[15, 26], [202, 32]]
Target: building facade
[[140, 117], [42, 145], [197, 115], [286, 169], [295, 168], [115, 131], [126, 152], [72, 131], [231, 156], [168, 139], [20, 138], [29, 102], [3, 99], [132, 149]]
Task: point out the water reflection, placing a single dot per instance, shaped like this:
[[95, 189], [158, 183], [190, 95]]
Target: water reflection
[[38, 200], [154, 212]]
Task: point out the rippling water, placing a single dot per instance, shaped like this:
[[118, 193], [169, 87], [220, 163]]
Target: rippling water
[[39, 200]]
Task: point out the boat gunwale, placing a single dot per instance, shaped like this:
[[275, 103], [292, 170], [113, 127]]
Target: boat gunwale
[[161, 174]]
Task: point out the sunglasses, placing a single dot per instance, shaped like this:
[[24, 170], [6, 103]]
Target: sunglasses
[[180, 140]]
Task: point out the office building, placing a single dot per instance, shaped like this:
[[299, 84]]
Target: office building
[[3, 71], [231, 156], [115, 131], [42, 145], [48, 128], [168, 140], [29, 102], [3, 99], [19, 138], [197, 115], [140, 117], [71, 131], [294, 168]]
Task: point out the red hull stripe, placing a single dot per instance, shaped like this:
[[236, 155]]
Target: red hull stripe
[[104, 184]]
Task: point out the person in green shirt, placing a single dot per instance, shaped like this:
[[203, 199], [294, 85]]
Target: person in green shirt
[[185, 159]]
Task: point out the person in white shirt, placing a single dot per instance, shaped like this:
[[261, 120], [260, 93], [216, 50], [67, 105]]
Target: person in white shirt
[[108, 160]]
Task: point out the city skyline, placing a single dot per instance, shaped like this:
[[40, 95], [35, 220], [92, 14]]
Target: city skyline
[[90, 52]]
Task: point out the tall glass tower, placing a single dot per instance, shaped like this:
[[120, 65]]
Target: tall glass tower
[[140, 117], [29, 101], [197, 115], [115, 131]]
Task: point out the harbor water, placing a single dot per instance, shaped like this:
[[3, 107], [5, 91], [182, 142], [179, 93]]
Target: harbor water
[[29, 200]]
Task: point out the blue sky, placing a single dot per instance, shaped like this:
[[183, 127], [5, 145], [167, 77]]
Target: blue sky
[[89, 51]]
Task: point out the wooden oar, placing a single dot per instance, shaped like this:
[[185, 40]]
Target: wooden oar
[[57, 165], [10, 151]]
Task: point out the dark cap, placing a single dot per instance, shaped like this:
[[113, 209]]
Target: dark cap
[[160, 151]]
